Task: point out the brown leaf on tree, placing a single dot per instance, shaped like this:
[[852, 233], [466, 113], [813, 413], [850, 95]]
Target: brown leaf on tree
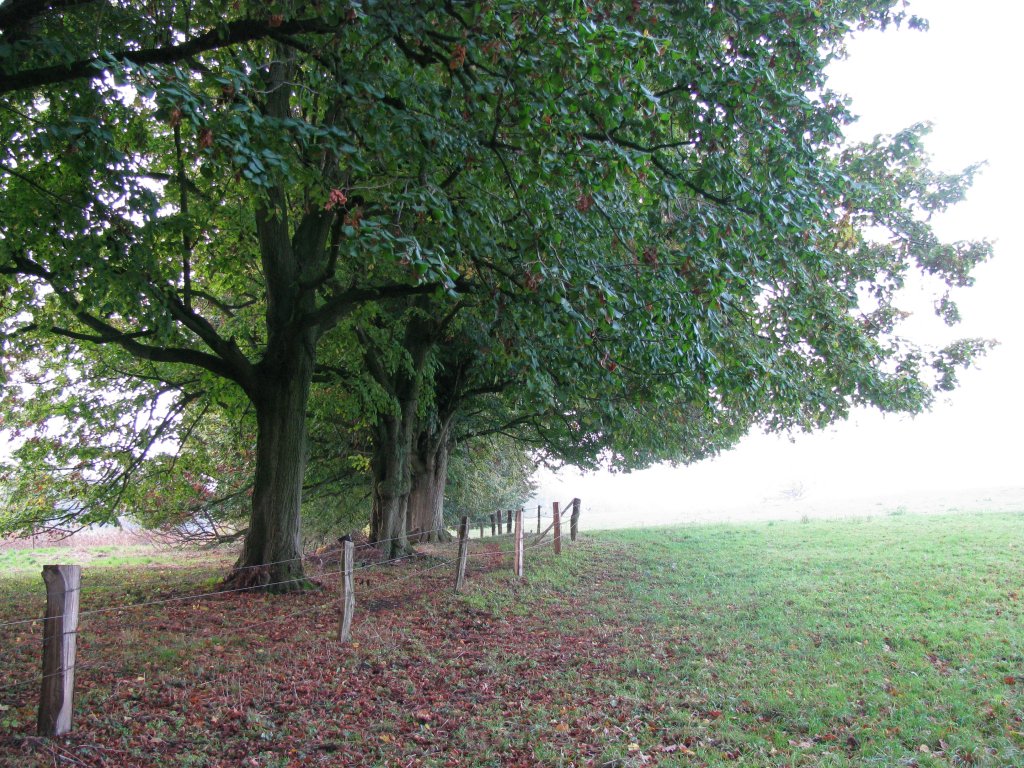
[[458, 58]]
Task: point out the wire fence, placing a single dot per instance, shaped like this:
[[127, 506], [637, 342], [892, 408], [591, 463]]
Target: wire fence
[[309, 557], [445, 559]]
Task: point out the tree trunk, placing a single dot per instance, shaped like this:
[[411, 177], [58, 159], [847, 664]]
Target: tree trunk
[[391, 479], [426, 498], [391, 464], [272, 554]]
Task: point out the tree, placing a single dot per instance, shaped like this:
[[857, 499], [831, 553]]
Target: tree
[[638, 215], [489, 473], [136, 247]]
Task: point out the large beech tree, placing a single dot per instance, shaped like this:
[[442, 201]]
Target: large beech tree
[[619, 215]]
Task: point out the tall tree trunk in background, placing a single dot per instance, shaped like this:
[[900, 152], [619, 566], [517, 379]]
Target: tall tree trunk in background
[[391, 481], [391, 465], [430, 476]]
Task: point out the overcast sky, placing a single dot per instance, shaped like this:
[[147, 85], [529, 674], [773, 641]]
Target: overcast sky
[[963, 75]]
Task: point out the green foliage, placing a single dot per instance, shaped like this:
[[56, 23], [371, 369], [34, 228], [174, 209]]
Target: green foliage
[[485, 475], [621, 233]]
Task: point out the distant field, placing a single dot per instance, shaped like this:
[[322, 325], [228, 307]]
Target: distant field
[[604, 510], [891, 641]]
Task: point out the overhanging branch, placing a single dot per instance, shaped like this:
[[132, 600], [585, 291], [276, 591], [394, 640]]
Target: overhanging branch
[[232, 33]]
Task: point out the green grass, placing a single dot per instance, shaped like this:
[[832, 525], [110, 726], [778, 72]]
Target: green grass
[[840, 643], [892, 641], [17, 562]]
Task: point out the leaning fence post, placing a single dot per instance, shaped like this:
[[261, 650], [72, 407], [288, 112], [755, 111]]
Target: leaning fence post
[[348, 594], [60, 626], [558, 528], [460, 571], [574, 520], [517, 561]]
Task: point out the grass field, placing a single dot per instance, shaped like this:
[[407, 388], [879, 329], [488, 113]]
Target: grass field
[[893, 641]]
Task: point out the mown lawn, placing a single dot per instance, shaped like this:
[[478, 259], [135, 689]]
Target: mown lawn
[[894, 641]]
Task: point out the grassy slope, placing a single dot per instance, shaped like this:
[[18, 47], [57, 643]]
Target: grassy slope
[[893, 641], [893, 636], [889, 642]]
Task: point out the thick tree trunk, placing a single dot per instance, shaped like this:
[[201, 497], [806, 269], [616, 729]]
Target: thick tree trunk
[[393, 445], [426, 498], [272, 554], [391, 480], [293, 261]]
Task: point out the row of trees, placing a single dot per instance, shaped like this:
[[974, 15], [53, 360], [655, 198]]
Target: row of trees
[[303, 250]]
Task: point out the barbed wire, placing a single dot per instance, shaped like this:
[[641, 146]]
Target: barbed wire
[[373, 544], [37, 679]]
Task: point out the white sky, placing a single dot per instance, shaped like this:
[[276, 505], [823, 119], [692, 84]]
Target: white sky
[[963, 76]]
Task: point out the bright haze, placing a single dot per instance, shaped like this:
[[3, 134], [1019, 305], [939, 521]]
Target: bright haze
[[962, 76]]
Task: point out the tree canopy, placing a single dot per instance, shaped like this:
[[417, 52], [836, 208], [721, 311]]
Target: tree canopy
[[620, 233]]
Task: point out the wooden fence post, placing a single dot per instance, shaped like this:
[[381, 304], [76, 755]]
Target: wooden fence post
[[574, 520], [493, 516], [348, 593], [558, 528], [60, 626], [517, 562], [538, 519], [508, 521], [460, 570]]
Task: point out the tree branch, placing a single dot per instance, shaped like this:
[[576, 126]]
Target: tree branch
[[232, 33], [229, 363], [341, 304]]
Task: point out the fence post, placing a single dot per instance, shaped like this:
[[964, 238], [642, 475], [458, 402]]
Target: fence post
[[348, 594], [508, 521], [574, 520], [538, 519], [558, 528], [460, 570], [63, 583], [517, 562], [493, 515]]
